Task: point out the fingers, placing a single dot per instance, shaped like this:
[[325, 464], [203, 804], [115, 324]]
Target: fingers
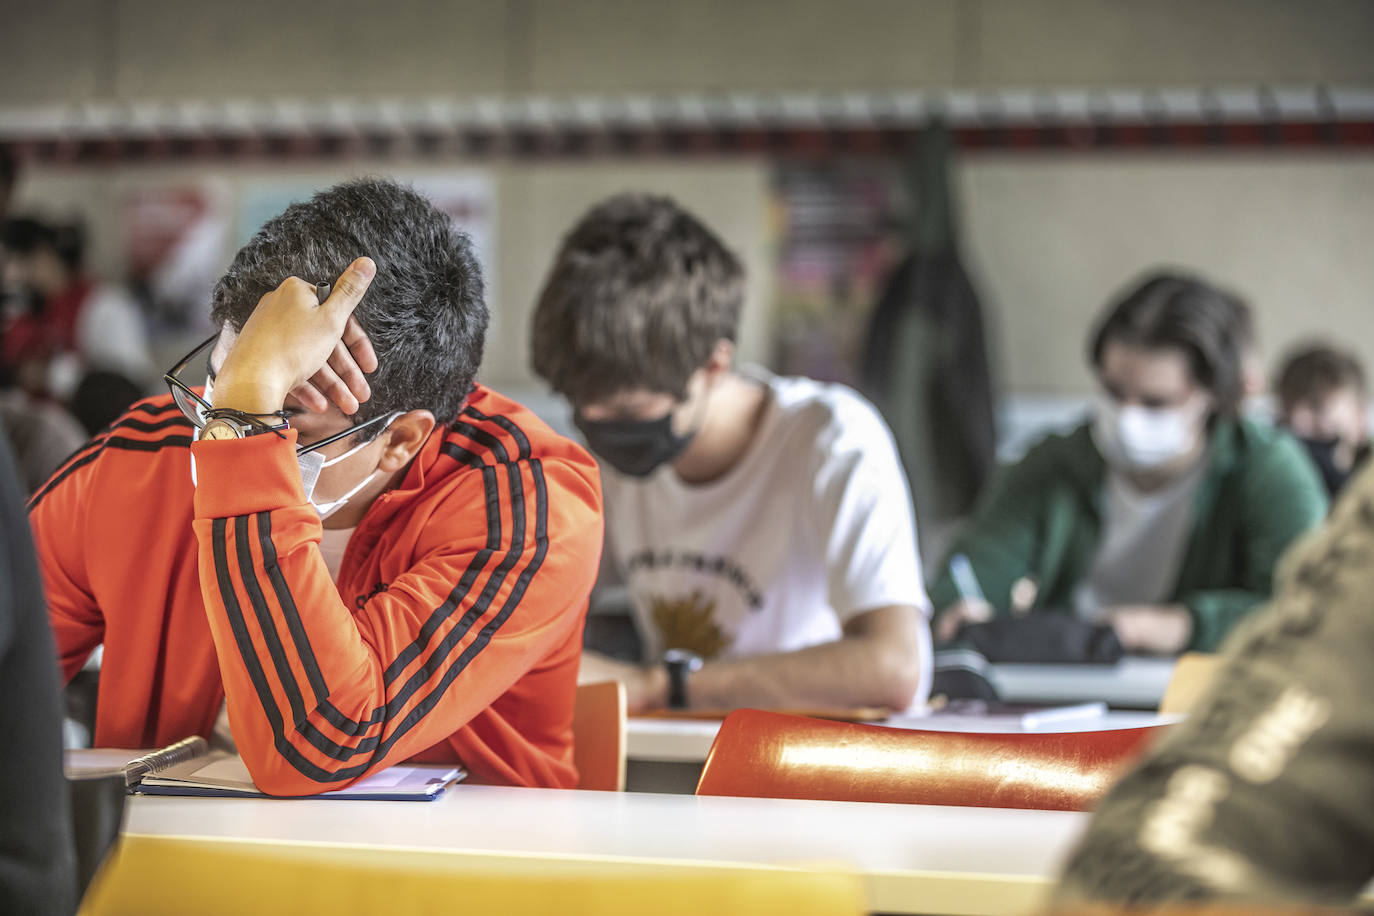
[[340, 380], [328, 383], [358, 344], [292, 289], [308, 397], [349, 288], [345, 366], [948, 624]]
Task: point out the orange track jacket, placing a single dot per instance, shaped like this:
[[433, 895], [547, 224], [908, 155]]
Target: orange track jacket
[[453, 633]]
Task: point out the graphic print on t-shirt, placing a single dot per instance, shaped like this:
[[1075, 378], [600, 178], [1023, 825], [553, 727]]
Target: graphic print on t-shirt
[[689, 623], [810, 528]]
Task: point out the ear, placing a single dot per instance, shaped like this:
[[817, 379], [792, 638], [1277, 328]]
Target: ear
[[404, 438], [720, 361]]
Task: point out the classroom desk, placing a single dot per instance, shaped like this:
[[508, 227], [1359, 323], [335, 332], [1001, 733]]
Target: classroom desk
[[1136, 682], [912, 858], [688, 740]]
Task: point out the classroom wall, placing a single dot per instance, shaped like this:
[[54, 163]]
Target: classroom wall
[[1050, 236], [535, 206], [1054, 238], [72, 50]]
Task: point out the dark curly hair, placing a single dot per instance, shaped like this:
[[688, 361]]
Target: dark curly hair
[[425, 311]]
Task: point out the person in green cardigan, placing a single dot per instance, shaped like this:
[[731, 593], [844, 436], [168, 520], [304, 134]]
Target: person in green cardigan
[[1165, 514]]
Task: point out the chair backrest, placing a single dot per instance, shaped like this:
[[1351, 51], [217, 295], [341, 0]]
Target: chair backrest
[[599, 736], [1193, 674], [768, 755]]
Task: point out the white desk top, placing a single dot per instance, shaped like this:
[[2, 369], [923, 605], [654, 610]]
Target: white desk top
[[689, 740], [912, 858], [1136, 682]]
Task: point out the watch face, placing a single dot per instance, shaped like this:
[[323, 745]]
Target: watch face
[[220, 429]]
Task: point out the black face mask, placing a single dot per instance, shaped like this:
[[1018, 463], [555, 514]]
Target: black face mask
[[634, 447], [1323, 452]]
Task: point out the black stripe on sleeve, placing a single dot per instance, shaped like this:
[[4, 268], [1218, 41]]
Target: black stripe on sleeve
[[234, 614], [432, 699], [332, 714], [484, 637], [299, 638], [518, 434], [95, 448], [439, 657], [460, 591], [494, 582], [148, 426], [288, 606], [437, 660], [485, 438], [265, 622]]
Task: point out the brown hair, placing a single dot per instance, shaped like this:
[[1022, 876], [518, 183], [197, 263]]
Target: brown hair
[[638, 295], [1211, 326], [1315, 370]]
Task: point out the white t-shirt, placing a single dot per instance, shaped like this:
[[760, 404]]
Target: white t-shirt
[[333, 543], [1144, 536], [812, 527], [111, 335]]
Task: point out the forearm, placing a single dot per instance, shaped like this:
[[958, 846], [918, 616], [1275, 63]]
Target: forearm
[[1164, 629], [1215, 612], [321, 693], [315, 693], [883, 659], [852, 671], [284, 654]]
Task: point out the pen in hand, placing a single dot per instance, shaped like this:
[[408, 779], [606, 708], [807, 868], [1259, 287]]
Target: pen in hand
[[973, 606]]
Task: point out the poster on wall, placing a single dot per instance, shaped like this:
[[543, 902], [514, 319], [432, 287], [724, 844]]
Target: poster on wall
[[836, 235], [175, 239], [468, 198]]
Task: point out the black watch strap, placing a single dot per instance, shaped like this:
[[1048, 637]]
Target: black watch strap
[[680, 664]]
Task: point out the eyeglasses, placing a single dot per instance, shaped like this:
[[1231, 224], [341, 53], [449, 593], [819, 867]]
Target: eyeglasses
[[194, 407]]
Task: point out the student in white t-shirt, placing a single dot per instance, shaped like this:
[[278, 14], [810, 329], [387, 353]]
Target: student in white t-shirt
[[762, 524]]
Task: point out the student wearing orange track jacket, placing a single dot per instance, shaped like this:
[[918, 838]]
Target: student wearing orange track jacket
[[424, 600]]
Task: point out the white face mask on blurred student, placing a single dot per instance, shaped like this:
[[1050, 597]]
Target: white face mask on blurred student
[[1146, 438]]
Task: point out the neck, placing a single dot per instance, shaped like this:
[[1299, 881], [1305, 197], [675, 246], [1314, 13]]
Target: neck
[[352, 512], [732, 412]]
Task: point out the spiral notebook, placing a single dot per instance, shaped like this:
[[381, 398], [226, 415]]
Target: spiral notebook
[[189, 767]]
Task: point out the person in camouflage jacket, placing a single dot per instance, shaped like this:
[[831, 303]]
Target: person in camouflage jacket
[[1267, 790]]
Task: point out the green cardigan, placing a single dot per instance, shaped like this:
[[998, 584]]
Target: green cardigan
[[1042, 517]]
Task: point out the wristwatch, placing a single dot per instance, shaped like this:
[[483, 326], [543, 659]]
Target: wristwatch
[[679, 664], [225, 428], [236, 425]]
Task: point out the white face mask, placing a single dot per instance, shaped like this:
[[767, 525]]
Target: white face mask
[[312, 463], [1144, 438]]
